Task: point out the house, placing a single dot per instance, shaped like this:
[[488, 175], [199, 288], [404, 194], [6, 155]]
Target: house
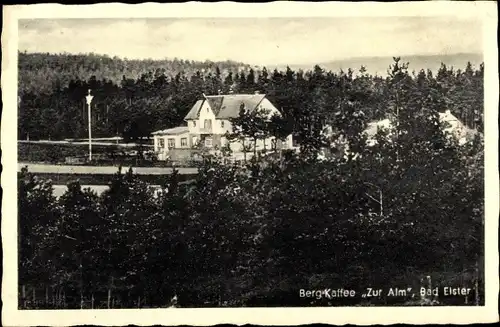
[[172, 138], [209, 120], [452, 126], [456, 128]]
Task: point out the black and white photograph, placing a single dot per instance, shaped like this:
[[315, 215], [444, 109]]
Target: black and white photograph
[[253, 161]]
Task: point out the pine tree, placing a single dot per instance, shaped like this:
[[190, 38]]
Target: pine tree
[[250, 81]]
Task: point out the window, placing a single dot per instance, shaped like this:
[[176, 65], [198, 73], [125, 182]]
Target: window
[[194, 123], [184, 142], [161, 143], [171, 143], [222, 124], [207, 124], [208, 142]]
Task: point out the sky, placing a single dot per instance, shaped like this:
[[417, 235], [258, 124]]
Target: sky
[[258, 41]]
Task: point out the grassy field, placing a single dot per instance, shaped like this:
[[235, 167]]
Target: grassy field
[[50, 152], [58, 152], [103, 153], [46, 160]]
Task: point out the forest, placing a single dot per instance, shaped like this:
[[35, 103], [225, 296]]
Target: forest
[[42, 72], [406, 211], [52, 89]]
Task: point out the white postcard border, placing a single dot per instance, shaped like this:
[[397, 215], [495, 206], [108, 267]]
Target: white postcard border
[[11, 316]]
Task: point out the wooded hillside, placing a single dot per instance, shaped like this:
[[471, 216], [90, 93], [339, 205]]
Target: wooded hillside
[[409, 208], [44, 72], [134, 98]]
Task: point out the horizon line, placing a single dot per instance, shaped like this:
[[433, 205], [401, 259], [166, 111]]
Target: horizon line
[[402, 56]]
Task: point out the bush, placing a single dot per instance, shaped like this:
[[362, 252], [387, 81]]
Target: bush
[[386, 215]]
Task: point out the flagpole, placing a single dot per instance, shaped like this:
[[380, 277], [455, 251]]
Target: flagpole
[[89, 101]]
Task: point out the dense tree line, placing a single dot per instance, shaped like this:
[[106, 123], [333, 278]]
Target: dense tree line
[[384, 215], [43, 72], [141, 102]]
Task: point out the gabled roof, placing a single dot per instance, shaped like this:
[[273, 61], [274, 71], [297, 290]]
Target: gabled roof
[[172, 131], [215, 103], [454, 126], [226, 106], [231, 105], [195, 110]]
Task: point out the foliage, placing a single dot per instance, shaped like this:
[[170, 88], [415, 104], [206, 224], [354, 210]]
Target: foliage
[[134, 98], [389, 213]]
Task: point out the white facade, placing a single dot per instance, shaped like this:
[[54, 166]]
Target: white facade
[[174, 138], [206, 115], [164, 142], [205, 128], [452, 126], [220, 126]]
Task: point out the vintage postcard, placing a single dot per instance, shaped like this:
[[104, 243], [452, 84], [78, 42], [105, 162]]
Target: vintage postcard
[[282, 163]]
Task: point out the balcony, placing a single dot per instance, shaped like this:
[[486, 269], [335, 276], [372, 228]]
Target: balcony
[[206, 130]]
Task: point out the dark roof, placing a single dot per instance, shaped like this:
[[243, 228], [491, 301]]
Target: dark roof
[[227, 106], [172, 131], [215, 103]]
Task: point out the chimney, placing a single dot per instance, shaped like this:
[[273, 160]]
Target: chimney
[[447, 112], [257, 92]]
